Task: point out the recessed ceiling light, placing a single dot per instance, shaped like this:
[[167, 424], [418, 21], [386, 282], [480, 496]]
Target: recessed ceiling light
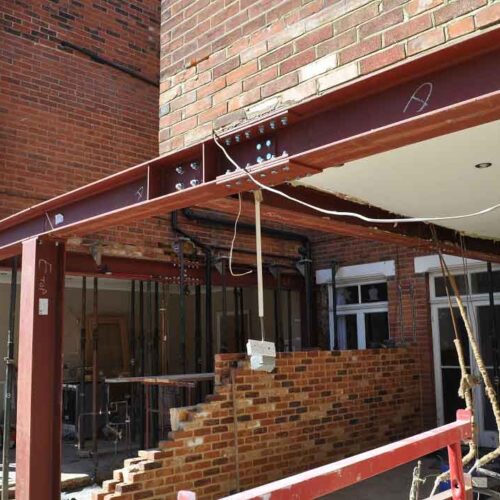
[[483, 165]]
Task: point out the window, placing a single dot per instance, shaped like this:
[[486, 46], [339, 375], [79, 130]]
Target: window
[[362, 318]]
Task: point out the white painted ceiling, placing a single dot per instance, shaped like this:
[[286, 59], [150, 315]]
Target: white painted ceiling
[[436, 177]]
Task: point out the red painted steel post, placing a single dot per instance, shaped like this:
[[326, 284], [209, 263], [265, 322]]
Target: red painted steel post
[[457, 481], [39, 409]]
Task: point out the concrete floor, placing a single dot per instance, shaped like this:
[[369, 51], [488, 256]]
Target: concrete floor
[[78, 472], [393, 485]]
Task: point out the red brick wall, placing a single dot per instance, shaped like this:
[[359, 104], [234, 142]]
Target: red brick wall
[[65, 119], [227, 61], [408, 301], [315, 408]]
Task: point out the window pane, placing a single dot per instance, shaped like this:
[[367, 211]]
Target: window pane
[[481, 282], [440, 285], [347, 331], [377, 329], [376, 292], [447, 335], [347, 295]]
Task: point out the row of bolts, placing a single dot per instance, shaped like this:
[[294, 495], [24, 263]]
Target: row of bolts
[[195, 165]]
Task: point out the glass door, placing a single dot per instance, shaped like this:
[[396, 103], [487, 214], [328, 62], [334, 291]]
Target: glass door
[[447, 368], [489, 436]]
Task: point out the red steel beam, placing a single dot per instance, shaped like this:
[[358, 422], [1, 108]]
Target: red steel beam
[[39, 410], [458, 87], [338, 475]]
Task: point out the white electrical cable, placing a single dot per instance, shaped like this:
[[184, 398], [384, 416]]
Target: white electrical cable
[[352, 214], [233, 240]]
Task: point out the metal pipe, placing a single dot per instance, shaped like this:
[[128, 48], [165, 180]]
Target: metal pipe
[[197, 329], [149, 329], [223, 333], [208, 284], [9, 377], [308, 279], [141, 327], [278, 331], [95, 375], [258, 250], [242, 321], [133, 358], [132, 342], [140, 411], [83, 341], [208, 310], [163, 327], [335, 344], [156, 331], [289, 318], [182, 306], [493, 329], [214, 219], [237, 319]]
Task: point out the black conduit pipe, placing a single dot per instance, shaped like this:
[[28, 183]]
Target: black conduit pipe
[[208, 285], [213, 219]]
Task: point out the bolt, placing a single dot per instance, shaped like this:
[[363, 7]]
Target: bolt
[[194, 165], [194, 182], [272, 125], [262, 175], [228, 141], [274, 172], [268, 143], [237, 138], [247, 134], [260, 159], [261, 129], [179, 186], [179, 169], [259, 146], [228, 186], [286, 168], [284, 121], [268, 156]]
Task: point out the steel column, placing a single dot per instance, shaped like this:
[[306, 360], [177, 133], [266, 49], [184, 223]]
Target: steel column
[[39, 415], [9, 376], [83, 341], [95, 374]]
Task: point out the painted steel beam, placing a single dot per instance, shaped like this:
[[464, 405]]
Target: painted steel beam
[[447, 90], [419, 235], [40, 367]]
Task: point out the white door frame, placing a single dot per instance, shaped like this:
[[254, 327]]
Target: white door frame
[[486, 438]]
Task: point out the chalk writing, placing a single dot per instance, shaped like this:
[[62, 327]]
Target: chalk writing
[[45, 268], [420, 97]]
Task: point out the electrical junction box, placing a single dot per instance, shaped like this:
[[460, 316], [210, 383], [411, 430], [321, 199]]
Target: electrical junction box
[[262, 355]]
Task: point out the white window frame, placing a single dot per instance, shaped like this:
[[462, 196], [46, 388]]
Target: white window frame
[[359, 309], [361, 274]]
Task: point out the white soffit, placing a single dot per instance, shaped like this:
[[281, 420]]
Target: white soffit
[[360, 272], [436, 177], [430, 263]]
